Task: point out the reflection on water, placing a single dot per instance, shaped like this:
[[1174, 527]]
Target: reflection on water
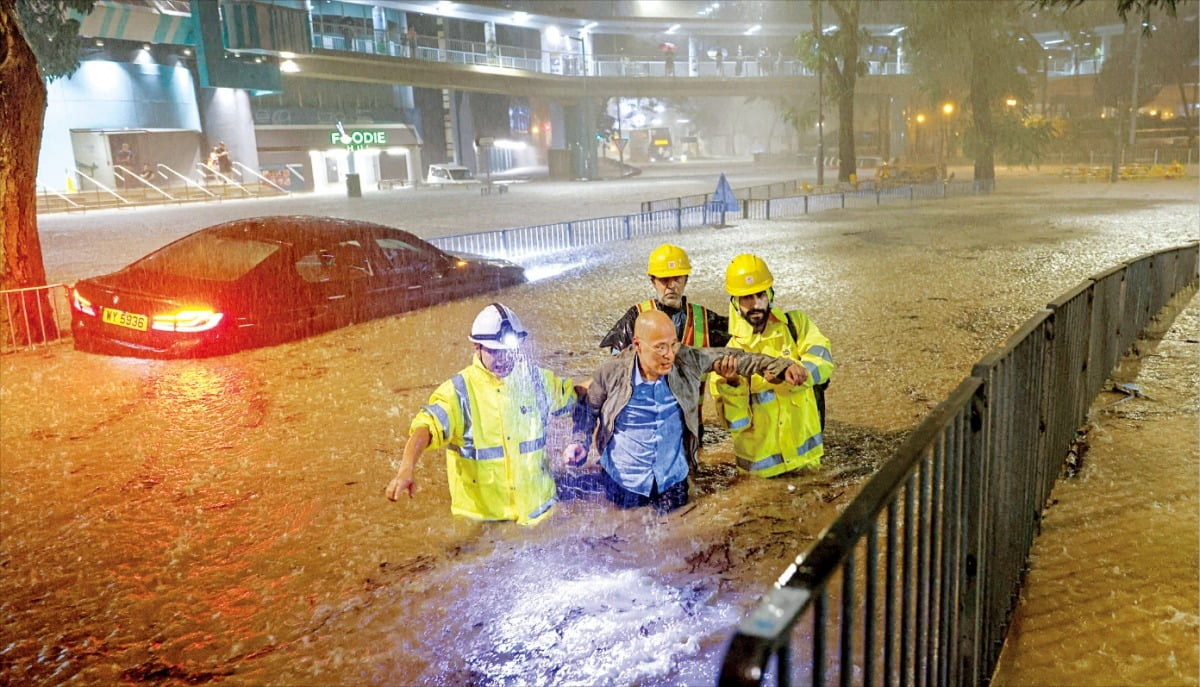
[[224, 519]]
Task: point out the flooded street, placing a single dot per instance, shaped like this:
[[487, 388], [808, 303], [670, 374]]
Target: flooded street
[[180, 522]]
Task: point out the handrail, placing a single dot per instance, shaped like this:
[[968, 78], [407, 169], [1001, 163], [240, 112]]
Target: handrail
[[142, 180], [262, 178], [957, 505], [187, 180], [61, 196], [101, 186], [205, 169]]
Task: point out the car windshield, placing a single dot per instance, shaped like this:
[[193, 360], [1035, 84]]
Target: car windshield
[[460, 174], [209, 257]]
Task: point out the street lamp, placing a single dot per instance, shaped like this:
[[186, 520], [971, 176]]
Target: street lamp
[[947, 110], [917, 136]]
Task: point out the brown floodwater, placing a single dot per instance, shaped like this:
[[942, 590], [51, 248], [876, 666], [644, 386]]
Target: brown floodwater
[[180, 522]]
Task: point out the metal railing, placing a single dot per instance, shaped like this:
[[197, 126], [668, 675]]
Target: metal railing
[[915, 582], [523, 242], [33, 316]]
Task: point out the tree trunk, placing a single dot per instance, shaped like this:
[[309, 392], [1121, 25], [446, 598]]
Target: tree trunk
[[846, 80], [848, 160], [26, 319], [982, 102]]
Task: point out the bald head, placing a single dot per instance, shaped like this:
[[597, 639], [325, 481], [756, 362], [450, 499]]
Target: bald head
[[654, 341], [653, 324]]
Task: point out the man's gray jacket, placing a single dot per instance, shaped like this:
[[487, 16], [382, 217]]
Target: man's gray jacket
[[612, 387]]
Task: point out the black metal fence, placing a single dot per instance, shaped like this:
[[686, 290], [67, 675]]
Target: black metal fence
[[915, 582], [677, 214]]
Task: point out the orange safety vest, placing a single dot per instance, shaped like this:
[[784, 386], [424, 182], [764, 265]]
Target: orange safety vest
[[695, 314]]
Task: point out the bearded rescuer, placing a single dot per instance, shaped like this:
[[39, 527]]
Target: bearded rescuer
[[491, 417], [776, 428], [695, 325]]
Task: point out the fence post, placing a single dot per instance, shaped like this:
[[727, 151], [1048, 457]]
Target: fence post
[[570, 234], [974, 508], [768, 208], [877, 196], [628, 229], [746, 209], [806, 203], [912, 195], [843, 200], [679, 219]]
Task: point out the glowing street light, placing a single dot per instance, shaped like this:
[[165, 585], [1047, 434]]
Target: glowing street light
[[948, 110]]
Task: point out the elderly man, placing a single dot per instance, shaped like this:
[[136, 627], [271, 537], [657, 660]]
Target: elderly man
[[491, 417], [644, 402]]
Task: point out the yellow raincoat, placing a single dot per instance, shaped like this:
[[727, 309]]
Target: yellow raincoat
[[775, 427], [494, 431]]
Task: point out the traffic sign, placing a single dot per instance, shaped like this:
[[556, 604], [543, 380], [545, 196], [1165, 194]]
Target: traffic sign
[[621, 143]]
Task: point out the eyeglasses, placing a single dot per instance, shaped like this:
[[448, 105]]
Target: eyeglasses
[[663, 348]]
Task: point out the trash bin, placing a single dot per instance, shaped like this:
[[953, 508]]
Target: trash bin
[[353, 186]]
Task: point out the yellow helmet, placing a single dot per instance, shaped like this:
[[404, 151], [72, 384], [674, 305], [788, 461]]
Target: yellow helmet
[[668, 261], [747, 274]]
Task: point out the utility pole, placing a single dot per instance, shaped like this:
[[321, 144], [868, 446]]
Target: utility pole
[[1133, 98], [820, 100]]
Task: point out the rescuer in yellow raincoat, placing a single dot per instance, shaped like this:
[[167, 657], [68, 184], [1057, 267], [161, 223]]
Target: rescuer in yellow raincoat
[[491, 417], [776, 428]]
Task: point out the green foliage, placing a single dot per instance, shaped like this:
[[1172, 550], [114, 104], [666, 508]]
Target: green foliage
[[1141, 8], [51, 27], [1018, 140]]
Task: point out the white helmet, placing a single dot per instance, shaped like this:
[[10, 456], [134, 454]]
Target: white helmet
[[496, 327]]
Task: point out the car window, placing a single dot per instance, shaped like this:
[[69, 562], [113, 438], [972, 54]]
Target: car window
[[345, 261], [403, 257], [209, 257], [460, 174]]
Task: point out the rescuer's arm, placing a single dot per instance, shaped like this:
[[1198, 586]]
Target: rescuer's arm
[[585, 419], [732, 364], [417, 442]]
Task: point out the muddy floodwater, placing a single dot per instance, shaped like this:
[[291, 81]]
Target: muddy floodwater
[[223, 520]]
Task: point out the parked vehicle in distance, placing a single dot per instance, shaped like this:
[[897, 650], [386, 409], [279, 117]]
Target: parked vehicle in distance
[[450, 175], [264, 280]]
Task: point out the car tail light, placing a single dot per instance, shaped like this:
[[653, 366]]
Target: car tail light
[[187, 321], [82, 304], [460, 263]]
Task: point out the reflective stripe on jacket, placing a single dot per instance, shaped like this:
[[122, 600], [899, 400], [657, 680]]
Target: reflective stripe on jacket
[[776, 427], [494, 432]]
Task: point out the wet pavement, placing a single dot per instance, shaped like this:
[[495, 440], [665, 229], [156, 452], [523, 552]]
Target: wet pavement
[[180, 522], [1113, 592]]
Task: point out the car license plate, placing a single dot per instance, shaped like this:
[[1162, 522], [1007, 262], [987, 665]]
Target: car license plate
[[126, 319]]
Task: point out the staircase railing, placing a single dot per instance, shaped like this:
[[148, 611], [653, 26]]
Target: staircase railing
[[262, 179], [126, 173], [186, 180], [101, 186]]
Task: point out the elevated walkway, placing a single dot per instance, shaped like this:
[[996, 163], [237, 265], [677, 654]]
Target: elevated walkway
[[367, 68]]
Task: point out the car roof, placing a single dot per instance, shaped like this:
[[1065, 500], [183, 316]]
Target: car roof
[[301, 230]]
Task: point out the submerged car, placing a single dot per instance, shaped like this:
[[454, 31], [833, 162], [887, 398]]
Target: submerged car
[[450, 175], [264, 280]]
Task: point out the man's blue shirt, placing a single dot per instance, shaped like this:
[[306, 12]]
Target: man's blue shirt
[[647, 442]]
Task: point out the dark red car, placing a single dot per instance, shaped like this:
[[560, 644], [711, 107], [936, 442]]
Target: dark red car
[[264, 280]]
